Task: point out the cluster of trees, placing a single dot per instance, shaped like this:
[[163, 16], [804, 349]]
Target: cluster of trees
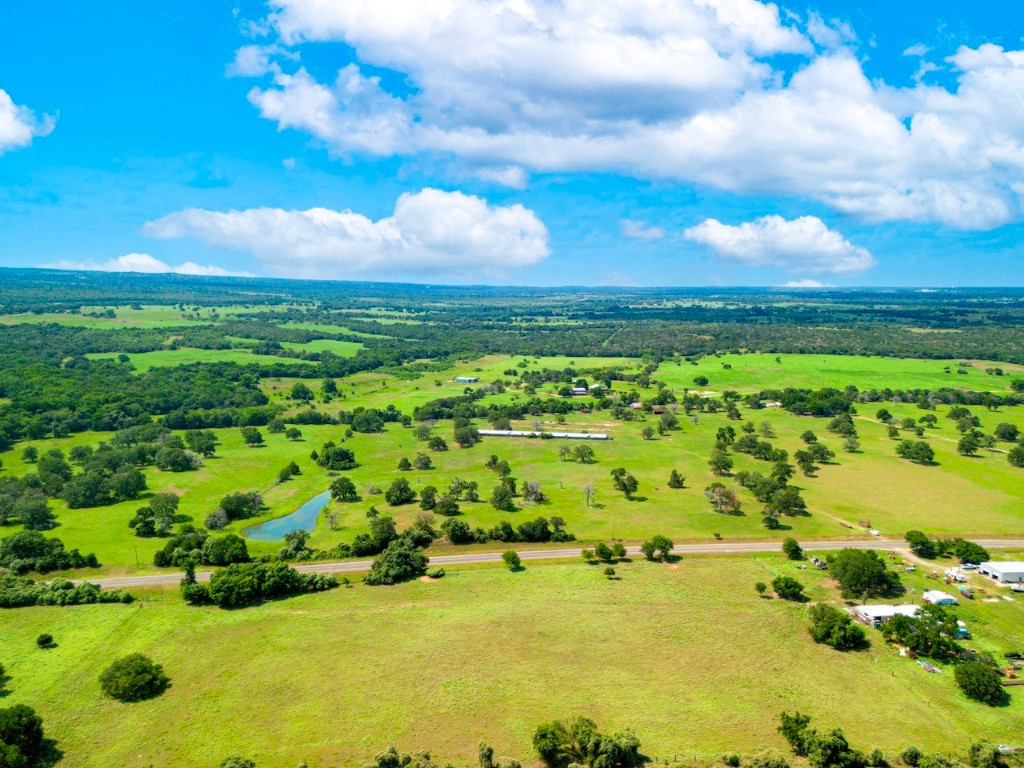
[[243, 584], [823, 750], [23, 743], [980, 680], [773, 490], [23, 504], [862, 573], [371, 420], [110, 474], [582, 453], [540, 530], [931, 633], [917, 451], [421, 462], [400, 561], [335, 457], [288, 471], [625, 482], [30, 551], [193, 545], [18, 592], [965, 551], [447, 503], [237, 505], [657, 547], [834, 627], [604, 553], [789, 588], [579, 742], [157, 517]]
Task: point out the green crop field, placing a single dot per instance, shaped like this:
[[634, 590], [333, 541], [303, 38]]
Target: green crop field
[[336, 677]]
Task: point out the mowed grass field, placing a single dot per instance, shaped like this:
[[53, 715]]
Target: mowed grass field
[[687, 655]]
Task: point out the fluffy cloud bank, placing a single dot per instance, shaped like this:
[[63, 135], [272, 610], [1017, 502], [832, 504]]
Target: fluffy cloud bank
[[800, 245], [429, 232], [143, 262], [19, 125], [681, 90]]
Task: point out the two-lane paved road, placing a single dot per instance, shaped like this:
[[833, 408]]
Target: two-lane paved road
[[716, 548]]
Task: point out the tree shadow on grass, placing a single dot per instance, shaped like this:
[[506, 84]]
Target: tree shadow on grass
[[49, 754]]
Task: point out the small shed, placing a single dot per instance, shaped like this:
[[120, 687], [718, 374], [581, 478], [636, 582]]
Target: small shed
[[938, 597], [466, 379]]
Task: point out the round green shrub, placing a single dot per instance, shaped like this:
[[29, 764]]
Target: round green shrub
[[133, 678], [45, 640]]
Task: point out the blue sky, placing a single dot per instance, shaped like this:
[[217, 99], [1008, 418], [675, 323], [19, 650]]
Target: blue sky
[[650, 142]]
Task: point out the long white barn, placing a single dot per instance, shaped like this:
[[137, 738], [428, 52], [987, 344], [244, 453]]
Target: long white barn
[[1006, 572], [562, 435]]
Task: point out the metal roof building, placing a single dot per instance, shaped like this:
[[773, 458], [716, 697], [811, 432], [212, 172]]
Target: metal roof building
[[1009, 572], [562, 435], [876, 615], [938, 597]]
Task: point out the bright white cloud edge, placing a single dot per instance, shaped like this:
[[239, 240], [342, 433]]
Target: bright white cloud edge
[[145, 264], [430, 232], [802, 245], [20, 125]]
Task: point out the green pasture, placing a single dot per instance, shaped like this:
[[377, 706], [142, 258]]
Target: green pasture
[[752, 372], [330, 328], [686, 655], [168, 358], [958, 495], [339, 348]]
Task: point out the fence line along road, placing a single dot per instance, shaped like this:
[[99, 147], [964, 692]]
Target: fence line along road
[[718, 548]]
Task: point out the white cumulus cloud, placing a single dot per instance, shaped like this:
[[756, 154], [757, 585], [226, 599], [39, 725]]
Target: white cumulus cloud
[[678, 90], [146, 264], [19, 125], [799, 245], [430, 232]]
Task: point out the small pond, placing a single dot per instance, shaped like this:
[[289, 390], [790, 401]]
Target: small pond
[[304, 517]]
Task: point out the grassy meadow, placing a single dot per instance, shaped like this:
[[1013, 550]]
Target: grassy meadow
[[685, 654], [755, 371]]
